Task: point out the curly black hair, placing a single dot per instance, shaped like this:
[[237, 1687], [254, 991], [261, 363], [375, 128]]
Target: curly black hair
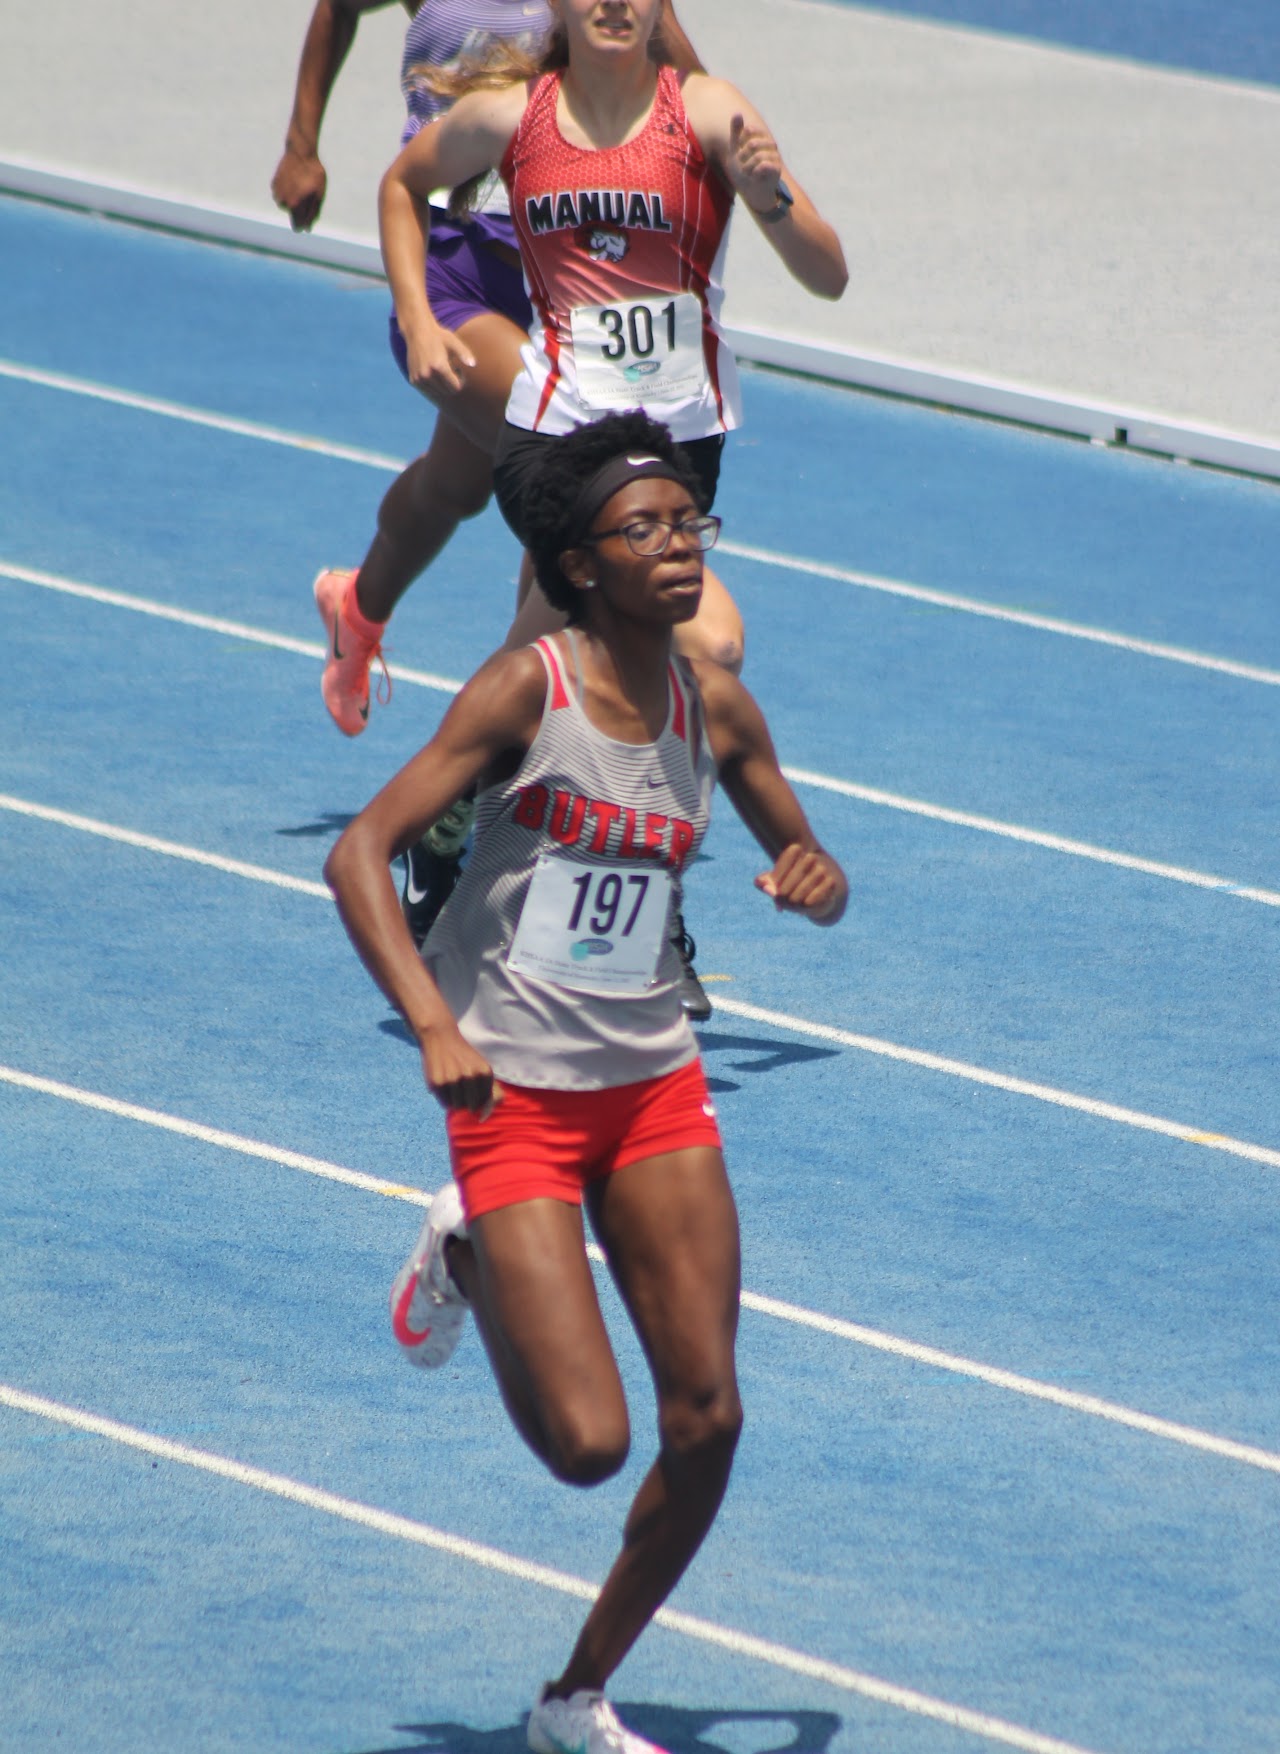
[[550, 526]]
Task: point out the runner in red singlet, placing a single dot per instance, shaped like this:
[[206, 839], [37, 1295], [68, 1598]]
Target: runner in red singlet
[[547, 1010], [622, 175]]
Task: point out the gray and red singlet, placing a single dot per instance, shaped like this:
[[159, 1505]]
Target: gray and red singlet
[[554, 952]]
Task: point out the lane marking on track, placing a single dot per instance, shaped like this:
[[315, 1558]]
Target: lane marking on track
[[170, 849], [1031, 836], [797, 775], [741, 1644], [282, 642], [868, 1044], [834, 1326], [254, 429], [1107, 1111], [225, 1141], [742, 551], [995, 612]]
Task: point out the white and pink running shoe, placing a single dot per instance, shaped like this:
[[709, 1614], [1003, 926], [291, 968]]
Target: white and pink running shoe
[[584, 1723], [428, 1311]]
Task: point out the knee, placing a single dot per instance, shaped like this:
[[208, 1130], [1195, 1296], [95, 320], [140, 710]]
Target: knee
[[728, 652], [469, 498], [427, 493], [703, 1427], [717, 643], [583, 1453]]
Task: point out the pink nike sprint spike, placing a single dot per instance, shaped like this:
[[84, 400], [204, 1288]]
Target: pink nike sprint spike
[[428, 1311], [345, 683]]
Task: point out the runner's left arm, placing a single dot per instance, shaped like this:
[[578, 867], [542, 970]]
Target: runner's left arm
[[737, 139], [804, 878]]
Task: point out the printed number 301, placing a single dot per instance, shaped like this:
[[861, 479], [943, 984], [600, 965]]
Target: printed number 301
[[632, 330], [607, 901]]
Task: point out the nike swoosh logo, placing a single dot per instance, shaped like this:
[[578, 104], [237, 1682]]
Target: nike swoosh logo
[[337, 649], [406, 1335], [412, 893], [650, 781]]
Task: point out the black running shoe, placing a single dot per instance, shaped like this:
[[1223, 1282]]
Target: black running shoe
[[693, 997], [432, 867]]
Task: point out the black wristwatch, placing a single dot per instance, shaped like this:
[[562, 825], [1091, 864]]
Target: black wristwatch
[[781, 207]]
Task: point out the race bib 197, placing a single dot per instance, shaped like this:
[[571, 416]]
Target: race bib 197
[[593, 928], [636, 354]]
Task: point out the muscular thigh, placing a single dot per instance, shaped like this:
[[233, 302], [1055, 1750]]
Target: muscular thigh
[[477, 410], [670, 1229], [539, 1293]]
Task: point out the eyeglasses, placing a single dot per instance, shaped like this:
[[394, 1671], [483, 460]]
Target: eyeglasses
[[652, 536]]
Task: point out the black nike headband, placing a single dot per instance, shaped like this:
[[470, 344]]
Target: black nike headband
[[611, 478]]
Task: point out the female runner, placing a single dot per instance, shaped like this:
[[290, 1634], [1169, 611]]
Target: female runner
[[473, 276], [621, 176], [547, 1014]]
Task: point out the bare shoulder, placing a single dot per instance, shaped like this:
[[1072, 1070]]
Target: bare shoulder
[[508, 690], [493, 114], [711, 105], [734, 721]]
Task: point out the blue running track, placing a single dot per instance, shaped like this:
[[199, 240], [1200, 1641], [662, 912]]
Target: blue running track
[[1006, 1143]]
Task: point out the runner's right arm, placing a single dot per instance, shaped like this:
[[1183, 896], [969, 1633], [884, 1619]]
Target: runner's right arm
[[485, 732], [467, 140], [300, 179]]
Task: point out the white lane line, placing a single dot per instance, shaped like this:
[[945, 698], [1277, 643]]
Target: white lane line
[[152, 1117], [258, 636], [272, 435], [798, 1316], [1031, 836], [1016, 1384], [868, 1044], [742, 551], [797, 775], [1107, 1111], [742, 1644], [171, 849], [995, 612]]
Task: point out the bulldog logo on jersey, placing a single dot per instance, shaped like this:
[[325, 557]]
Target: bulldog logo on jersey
[[606, 246]]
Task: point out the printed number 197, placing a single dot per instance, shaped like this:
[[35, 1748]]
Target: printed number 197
[[607, 901]]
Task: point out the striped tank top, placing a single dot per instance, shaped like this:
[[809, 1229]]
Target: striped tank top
[[575, 858], [442, 33], [623, 251]]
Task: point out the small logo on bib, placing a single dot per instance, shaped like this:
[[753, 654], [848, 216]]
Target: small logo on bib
[[590, 947], [643, 368]]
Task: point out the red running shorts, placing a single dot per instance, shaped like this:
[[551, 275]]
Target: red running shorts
[[549, 1144]]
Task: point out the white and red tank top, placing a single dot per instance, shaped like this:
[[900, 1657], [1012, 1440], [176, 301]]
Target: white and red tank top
[[540, 952], [623, 249]]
